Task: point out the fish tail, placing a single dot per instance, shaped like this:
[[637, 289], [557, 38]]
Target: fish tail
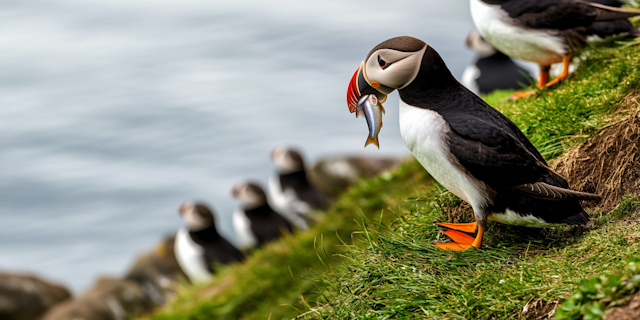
[[372, 141]]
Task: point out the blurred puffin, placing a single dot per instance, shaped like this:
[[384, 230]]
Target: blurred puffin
[[255, 222], [290, 192], [198, 244], [469, 147], [547, 31], [492, 70]]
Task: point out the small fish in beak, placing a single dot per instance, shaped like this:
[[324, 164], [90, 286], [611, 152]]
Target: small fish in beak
[[370, 107]]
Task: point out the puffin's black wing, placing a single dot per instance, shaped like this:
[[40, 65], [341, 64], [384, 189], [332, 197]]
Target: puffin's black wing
[[561, 14], [222, 252], [491, 147]]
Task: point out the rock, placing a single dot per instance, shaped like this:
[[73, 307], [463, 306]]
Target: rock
[[26, 297], [333, 175], [151, 281], [108, 299], [157, 272]]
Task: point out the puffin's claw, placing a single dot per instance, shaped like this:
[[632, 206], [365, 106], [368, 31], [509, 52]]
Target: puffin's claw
[[453, 246]]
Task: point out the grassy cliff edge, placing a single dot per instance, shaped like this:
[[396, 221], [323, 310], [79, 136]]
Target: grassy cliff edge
[[372, 257]]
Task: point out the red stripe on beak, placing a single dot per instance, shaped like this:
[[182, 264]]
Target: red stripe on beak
[[353, 95]]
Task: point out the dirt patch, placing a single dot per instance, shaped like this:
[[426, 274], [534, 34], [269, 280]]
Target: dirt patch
[[608, 164], [461, 213], [630, 311], [538, 309]]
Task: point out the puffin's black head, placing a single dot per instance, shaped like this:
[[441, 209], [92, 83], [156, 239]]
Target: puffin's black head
[[391, 65], [197, 215], [287, 160], [250, 194]]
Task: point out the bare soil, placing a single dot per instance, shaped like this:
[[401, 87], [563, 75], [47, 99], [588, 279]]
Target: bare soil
[[607, 165], [630, 311]]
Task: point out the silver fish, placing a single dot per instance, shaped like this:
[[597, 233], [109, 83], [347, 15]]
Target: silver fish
[[370, 107]]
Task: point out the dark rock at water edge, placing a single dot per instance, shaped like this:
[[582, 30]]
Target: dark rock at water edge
[[26, 297], [108, 299], [150, 282]]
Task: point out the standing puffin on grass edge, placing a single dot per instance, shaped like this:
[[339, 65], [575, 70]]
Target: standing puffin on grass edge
[[547, 31], [255, 222], [466, 145], [492, 70], [198, 245], [290, 191]]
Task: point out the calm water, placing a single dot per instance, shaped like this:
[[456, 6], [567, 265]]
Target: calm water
[[113, 112]]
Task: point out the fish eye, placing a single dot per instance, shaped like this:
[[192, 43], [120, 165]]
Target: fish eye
[[373, 99], [383, 64]]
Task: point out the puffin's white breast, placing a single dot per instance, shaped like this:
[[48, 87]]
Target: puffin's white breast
[[470, 77], [542, 46], [190, 257], [284, 202], [513, 218], [424, 133], [242, 227]]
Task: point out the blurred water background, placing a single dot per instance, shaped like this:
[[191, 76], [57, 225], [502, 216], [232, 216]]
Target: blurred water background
[[113, 112]]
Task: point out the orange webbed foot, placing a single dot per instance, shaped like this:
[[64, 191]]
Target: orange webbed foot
[[464, 227], [459, 237], [461, 234], [522, 94]]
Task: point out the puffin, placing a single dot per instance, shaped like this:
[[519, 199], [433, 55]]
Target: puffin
[[466, 145], [255, 222], [198, 245], [547, 31], [492, 70], [290, 191]]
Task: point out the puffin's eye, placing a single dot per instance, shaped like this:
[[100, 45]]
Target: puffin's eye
[[383, 64]]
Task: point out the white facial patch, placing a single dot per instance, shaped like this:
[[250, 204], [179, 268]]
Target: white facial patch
[[403, 67], [193, 220], [250, 199], [284, 163]]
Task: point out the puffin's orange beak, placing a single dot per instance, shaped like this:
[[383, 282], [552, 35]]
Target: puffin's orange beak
[[353, 92], [358, 87]]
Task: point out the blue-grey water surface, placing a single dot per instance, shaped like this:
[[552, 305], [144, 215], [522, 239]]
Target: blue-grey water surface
[[113, 112]]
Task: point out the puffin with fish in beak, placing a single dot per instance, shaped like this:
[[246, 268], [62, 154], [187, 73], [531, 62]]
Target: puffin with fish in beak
[[547, 31], [465, 144]]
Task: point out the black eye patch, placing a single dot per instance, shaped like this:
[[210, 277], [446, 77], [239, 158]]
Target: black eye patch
[[383, 64]]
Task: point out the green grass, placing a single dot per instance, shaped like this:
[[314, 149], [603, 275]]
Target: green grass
[[372, 257], [270, 283], [397, 273]]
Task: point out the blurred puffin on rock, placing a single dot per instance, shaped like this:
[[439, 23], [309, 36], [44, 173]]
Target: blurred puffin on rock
[[198, 245], [255, 222], [290, 191], [492, 70]]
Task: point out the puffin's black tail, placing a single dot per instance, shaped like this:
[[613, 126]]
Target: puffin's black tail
[[579, 219]]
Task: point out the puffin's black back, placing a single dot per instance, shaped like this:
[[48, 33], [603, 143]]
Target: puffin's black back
[[266, 224], [216, 248], [487, 144], [306, 192]]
